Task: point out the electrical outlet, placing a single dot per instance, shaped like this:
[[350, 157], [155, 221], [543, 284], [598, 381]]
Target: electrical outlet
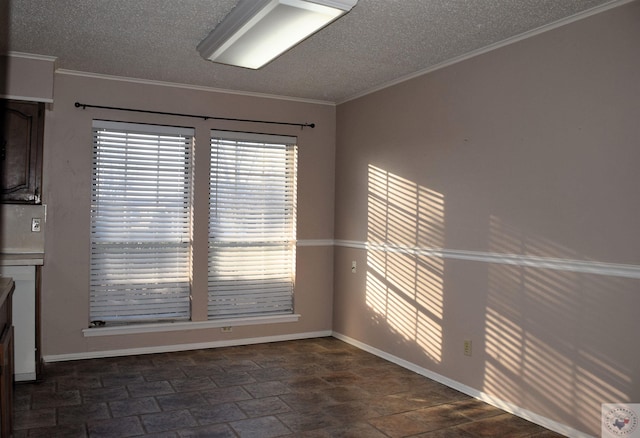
[[226, 329], [467, 347], [35, 225], [353, 267]]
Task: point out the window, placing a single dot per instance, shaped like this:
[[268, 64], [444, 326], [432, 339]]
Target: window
[[252, 203], [140, 223]]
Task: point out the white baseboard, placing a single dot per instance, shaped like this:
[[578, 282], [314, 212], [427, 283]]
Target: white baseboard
[[24, 377], [183, 347], [501, 404]]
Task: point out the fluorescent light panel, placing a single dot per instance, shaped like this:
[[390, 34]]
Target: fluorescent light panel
[[257, 31]]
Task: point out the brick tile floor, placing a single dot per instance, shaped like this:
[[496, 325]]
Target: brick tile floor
[[309, 388]]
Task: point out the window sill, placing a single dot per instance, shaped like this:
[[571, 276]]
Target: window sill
[[188, 325]]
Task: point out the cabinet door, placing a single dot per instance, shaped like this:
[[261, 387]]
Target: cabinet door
[[6, 382], [21, 152]]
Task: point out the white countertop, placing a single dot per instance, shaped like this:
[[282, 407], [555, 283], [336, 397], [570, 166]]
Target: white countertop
[[22, 259]]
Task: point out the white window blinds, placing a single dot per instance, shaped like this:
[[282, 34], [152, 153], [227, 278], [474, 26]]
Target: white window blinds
[[252, 224], [140, 222]]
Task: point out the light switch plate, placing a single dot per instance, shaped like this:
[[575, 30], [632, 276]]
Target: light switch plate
[[35, 225]]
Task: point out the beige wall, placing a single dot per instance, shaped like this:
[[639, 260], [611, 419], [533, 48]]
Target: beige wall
[[67, 191], [532, 151]]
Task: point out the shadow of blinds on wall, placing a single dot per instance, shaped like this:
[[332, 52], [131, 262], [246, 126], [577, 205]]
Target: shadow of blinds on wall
[[140, 222], [252, 224]]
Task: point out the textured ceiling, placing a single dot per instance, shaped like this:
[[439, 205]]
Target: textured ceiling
[[378, 42]]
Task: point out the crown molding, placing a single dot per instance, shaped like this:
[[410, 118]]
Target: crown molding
[[31, 56], [62, 71]]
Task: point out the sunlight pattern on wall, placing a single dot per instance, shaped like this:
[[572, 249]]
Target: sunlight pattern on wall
[[546, 344], [403, 288]]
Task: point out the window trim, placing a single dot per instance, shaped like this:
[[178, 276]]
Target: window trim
[[188, 325]]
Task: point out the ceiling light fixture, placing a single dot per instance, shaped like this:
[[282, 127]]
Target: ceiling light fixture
[[257, 31]]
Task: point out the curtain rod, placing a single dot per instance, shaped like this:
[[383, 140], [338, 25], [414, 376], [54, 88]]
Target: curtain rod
[[301, 125]]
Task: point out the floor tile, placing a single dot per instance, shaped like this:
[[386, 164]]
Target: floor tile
[[220, 413], [62, 398], [342, 378], [264, 427], [419, 421], [147, 389], [353, 430], [171, 434], [64, 431], [115, 428], [121, 379], [451, 432], [263, 406], [155, 374], [546, 434], [212, 431], [266, 389], [239, 365], [34, 418], [475, 409], [201, 383], [346, 393], [301, 422], [307, 383], [21, 402], [232, 378], [269, 373], [398, 403], [202, 370], [307, 401], [104, 394], [82, 413], [165, 421], [95, 366], [183, 400], [502, 425], [136, 406], [78, 382], [227, 394], [350, 412]]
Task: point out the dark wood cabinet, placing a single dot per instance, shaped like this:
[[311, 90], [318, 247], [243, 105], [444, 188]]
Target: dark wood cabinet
[[21, 152], [6, 357], [6, 383]]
